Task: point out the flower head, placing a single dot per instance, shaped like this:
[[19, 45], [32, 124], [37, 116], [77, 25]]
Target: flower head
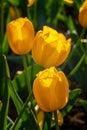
[[83, 14], [30, 2], [51, 89], [20, 33], [50, 48]]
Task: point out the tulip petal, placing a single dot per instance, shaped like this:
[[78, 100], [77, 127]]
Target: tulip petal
[[51, 89]]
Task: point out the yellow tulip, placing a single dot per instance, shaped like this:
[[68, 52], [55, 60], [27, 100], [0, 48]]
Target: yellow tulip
[[50, 48], [69, 1], [30, 2], [83, 14], [51, 89], [20, 33]]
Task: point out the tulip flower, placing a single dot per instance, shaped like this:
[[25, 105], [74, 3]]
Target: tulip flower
[[83, 14], [20, 33], [50, 48], [30, 2], [51, 89], [69, 1]]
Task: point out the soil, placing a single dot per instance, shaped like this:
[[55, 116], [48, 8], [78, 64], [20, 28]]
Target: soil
[[75, 120]]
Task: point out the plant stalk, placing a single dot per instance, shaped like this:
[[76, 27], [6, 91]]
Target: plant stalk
[[27, 78], [56, 120]]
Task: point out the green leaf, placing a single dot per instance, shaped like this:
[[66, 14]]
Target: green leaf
[[72, 99], [5, 46], [2, 76], [15, 97], [15, 86], [14, 2], [19, 80], [30, 124], [70, 24], [83, 103], [9, 123], [47, 121], [5, 106]]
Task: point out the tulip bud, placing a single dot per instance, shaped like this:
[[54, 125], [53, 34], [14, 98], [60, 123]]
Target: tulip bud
[[20, 33], [69, 1], [30, 2], [40, 118], [83, 14], [51, 89], [14, 12], [50, 48]]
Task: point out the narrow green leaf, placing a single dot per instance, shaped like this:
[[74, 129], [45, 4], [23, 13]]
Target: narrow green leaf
[[47, 121], [72, 99], [19, 80], [2, 76], [5, 106], [9, 123], [70, 24], [14, 2], [5, 46], [83, 103], [15, 97]]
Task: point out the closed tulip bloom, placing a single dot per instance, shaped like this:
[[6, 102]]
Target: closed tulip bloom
[[69, 1], [50, 48], [83, 14], [20, 33], [30, 2], [51, 89]]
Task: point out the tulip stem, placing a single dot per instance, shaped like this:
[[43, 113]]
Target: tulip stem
[[56, 120], [74, 49], [27, 78], [77, 66], [6, 97], [21, 113]]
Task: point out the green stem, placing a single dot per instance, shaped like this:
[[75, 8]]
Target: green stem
[[56, 120], [77, 66], [5, 100], [74, 49], [28, 12], [27, 78], [35, 14], [60, 8], [21, 113]]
